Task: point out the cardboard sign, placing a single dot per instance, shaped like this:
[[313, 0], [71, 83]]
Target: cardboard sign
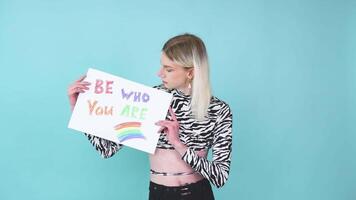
[[120, 110]]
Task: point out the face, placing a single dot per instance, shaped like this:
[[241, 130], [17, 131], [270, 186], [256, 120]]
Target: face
[[174, 76]]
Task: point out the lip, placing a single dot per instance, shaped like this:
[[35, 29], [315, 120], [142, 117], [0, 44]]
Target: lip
[[164, 82]]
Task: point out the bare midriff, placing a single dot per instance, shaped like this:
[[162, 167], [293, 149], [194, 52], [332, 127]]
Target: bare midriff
[[169, 161]]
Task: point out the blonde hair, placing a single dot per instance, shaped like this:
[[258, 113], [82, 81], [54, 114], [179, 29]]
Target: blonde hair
[[189, 51]]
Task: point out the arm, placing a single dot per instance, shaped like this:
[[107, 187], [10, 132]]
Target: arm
[[106, 148], [217, 170]]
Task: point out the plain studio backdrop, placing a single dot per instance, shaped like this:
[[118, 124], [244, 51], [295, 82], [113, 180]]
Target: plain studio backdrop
[[287, 69]]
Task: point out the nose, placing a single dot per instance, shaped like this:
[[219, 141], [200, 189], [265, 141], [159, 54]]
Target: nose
[[160, 72]]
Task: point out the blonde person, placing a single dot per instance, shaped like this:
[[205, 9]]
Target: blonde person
[[196, 122]]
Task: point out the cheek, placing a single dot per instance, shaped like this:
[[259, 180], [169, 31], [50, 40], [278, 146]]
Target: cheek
[[176, 78], [178, 75], [171, 79], [171, 76]]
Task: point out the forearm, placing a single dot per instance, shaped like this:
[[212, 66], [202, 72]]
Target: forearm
[[180, 147], [105, 147], [216, 172]]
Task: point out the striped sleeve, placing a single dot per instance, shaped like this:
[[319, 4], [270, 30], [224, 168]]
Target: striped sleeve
[[106, 148], [217, 170]]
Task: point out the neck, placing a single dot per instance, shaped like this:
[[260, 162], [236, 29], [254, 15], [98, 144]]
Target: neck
[[185, 90]]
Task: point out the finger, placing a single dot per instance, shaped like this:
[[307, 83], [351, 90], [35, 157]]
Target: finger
[[170, 126], [80, 91], [164, 126], [172, 114], [85, 83], [79, 87], [75, 91], [81, 78], [165, 123], [71, 91], [161, 130], [83, 86]]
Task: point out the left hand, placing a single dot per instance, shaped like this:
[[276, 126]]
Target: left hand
[[170, 128]]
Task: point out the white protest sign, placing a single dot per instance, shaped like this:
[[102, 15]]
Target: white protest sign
[[120, 110]]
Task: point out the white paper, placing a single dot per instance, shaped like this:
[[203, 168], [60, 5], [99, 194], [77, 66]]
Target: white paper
[[120, 110]]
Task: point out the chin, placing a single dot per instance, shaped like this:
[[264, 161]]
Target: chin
[[167, 86]]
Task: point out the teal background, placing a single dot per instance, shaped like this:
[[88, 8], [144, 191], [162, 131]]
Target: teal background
[[286, 68]]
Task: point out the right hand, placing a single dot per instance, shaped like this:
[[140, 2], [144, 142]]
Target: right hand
[[79, 86]]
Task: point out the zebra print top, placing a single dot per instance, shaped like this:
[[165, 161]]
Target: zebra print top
[[214, 132]]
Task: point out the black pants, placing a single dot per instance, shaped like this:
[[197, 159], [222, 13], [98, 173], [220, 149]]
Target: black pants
[[200, 190]]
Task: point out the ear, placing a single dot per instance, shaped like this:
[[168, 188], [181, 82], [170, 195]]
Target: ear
[[190, 73]]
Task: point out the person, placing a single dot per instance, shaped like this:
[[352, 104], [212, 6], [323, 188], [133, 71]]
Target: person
[[196, 122]]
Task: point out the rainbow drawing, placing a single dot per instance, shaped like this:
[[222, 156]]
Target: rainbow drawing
[[129, 130]]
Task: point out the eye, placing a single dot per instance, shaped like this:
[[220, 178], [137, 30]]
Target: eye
[[169, 70]]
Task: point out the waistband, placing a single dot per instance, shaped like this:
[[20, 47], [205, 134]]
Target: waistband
[[190, 186], [171, 174]]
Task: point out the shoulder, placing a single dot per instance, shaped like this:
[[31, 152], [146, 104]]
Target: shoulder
[[219, 106]]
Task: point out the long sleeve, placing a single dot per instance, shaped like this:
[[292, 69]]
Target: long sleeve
[[106, 148], [217, 170]]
